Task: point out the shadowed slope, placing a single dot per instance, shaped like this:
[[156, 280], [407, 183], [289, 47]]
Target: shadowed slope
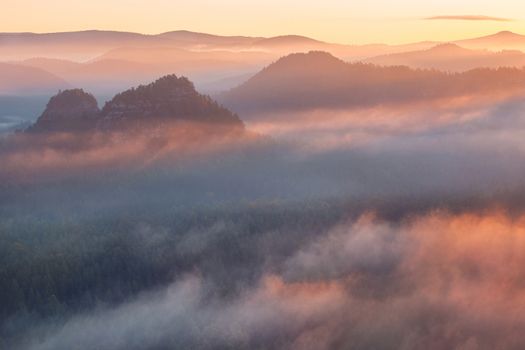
[[70, 110], [319, 80]]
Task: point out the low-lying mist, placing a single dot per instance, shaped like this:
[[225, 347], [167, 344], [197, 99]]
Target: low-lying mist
[[460, 147], [391, 227], [437, 280]]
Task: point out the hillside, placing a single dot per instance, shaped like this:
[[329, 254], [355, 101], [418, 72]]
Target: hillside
[[20, 80], [499, 41], [69, 111], [319, 80], [451, 57]]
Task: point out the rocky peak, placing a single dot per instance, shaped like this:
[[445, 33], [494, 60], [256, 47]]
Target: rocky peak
[[69, 110], [167, 99], [155, 105]]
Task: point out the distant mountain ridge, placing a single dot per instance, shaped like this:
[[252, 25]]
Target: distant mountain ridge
[[84, 45], [97, 42], [499, 41], [452, 57], [106, 62], [195, 37]]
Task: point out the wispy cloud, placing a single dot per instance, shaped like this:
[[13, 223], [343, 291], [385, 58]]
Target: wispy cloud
[[469, 18]]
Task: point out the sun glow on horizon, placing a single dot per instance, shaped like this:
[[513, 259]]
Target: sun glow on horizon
[[377, 21]]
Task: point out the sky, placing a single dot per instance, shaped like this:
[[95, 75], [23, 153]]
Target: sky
[[342, 21]]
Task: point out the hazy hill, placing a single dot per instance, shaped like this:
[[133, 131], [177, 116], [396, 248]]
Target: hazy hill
[[106, 61], [80, 45], [101, 72], [122, 67], [187, 61], [103, 77], [320, 80], [499, 41], [288, 41], [51, 65], [86, 45], [451, 57], [20, 80], [86, 37], [187, 39]]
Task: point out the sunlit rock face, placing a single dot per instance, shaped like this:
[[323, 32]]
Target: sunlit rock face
[[68, 111], [169, 99]]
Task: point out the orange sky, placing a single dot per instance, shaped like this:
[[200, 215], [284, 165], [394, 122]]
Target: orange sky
[[331, 20]]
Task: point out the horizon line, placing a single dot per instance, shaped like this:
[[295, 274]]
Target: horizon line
[[246, 36]]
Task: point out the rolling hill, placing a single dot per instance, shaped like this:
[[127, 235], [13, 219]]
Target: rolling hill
[[20, 80], [451, 57], [318, 80], [504, 40]]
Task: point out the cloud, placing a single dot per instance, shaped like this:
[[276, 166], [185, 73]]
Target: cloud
[[459, 118], [381, 151], [33, 158], [469, 18]]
